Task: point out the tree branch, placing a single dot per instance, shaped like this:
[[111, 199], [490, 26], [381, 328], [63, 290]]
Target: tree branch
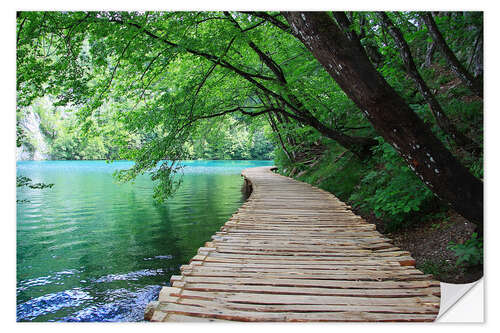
[[271, 19], [455, 65], [210, 72], [116, 67], [77, 24], [264, 57], [211, 18], [223, 113], [214, 65], [205, 55], [441, 119], [20, 29], [253, 26]]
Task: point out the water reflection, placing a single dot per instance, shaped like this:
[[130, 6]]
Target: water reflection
[[92, 250]]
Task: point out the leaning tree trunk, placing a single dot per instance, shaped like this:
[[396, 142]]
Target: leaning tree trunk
[[389, 113], [476, 58], [452, 60], [441, 119], [429, 55], [371, 50]]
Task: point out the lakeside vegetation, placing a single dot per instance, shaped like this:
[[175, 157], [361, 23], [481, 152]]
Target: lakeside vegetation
[[56, 134], [384, 110]]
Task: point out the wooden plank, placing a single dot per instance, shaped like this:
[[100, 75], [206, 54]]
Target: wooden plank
[[258, 298], [319, 260], [311, 282], [290, 252], [297, 290], [190, 319], [238, 315], [299, 253], [427, 308], [330, 267], [359, 275]]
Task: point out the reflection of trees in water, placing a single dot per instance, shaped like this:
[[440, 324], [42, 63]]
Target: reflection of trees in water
[[119, 245], [206, 202]]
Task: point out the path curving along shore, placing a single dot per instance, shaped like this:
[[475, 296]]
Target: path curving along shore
[[294, 252]]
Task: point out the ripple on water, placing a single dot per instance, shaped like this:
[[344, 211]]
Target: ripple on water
[[67, 244], [124, 305], [165, 257], [45, 280], [51, 303], [57, 232], [89, 249], [130, 276]]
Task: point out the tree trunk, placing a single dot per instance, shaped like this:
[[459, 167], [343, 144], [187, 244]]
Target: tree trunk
[[441, 119], [476, 58], [429, 54], [360, 146], [389, 114], [455, 65], [371, 50]]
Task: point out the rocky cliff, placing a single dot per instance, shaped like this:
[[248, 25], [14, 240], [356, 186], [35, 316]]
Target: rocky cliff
[[35, 146]]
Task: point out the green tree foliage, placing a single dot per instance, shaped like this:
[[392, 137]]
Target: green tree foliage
[[68, 141], [386, 185], [390, 189], [159, 87], [23, 181], [167, 85]]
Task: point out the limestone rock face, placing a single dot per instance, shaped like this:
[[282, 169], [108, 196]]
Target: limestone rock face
[[38, 149]]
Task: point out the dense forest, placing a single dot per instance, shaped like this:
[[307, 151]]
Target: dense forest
[[384, 110], [53, 133]]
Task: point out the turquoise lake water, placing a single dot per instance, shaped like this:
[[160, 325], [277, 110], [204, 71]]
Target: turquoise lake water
[[90, 249]]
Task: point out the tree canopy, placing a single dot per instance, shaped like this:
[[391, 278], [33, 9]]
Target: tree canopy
[[175, 77]]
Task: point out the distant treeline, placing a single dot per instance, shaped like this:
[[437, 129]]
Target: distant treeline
[[61, 137]]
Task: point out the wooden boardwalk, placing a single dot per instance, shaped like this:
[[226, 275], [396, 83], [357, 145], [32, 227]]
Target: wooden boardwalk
[[294, 252]]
